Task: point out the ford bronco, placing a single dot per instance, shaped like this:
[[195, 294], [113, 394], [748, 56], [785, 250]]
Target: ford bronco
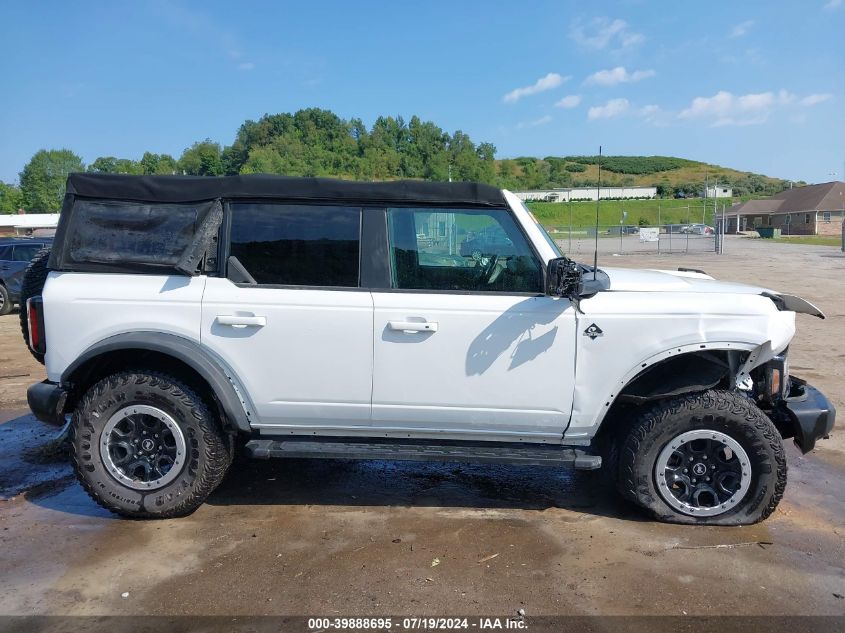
[[181, 318]]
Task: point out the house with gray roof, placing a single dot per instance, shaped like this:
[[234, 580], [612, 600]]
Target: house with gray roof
[[810, 210]]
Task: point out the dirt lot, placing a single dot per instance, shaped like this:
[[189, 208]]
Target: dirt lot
[[365, 538]]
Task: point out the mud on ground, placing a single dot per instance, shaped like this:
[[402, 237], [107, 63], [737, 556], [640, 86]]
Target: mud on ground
[[364, 538]]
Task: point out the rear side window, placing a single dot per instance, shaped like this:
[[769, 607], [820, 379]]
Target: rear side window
[[26, 252], [5, 253], [117, 235], [297, 245]]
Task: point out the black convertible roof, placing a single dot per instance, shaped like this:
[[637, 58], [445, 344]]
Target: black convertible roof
[[198, 188]]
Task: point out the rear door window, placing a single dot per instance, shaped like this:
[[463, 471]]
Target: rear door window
[[297, 245], [26, 252]]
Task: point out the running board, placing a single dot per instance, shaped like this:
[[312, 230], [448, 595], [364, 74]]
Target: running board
[[489, 453]]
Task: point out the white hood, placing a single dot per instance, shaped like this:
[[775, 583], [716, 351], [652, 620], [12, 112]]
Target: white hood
[[638, 280]]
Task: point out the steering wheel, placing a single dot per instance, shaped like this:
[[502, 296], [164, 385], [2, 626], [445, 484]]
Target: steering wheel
[[486, 274]]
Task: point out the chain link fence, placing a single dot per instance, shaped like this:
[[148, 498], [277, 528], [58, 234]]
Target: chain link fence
[[627, 239]]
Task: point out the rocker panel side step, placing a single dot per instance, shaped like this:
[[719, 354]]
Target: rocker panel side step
[[541, 455]]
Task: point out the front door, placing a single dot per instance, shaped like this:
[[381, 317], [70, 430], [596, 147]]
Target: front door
[[465, 343], [298, 339]]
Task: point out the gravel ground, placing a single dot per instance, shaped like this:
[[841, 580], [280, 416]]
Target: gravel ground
[[364, 538]]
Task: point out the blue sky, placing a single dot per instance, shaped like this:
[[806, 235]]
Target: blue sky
[[752, 85]]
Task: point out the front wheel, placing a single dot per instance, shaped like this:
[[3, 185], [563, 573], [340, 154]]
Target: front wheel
[[710, 458], [145, 445], [5, 301]]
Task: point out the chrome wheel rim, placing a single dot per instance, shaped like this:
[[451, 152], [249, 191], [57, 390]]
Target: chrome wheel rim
[[142, 447], [703, 473]]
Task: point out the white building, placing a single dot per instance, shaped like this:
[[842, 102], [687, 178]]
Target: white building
[[586, 193], [718, 191], [28, 223]]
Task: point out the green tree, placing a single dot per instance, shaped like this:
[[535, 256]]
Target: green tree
[[112, 165], [158, 164], [11, 198], [203, 158], [44, 176]]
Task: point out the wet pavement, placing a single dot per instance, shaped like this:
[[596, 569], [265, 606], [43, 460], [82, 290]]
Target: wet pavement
[[354, 537], [313, 537]]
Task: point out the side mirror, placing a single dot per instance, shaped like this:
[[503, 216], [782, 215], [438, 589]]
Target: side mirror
[[563, 277]]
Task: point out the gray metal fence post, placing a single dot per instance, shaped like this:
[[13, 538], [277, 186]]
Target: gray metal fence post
[[843, 232]]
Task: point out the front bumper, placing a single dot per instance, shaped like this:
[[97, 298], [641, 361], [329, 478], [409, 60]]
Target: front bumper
[[811, 413], [47, 401]]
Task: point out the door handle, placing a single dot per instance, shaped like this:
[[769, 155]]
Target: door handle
[[241, 321], [413, 326]]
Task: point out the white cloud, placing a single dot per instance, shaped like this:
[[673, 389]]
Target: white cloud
[[552, 80], [618, 75], [653, 114], [246, 66], [543, 120], [742, 28], [602, 32], [831, 5], [611, 109], [811, 100], [569, 101], [725, 108]]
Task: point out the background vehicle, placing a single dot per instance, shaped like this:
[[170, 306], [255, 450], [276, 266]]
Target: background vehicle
[[15, 255], [489, 240], [309, 325], [698, 229], [625, 229]]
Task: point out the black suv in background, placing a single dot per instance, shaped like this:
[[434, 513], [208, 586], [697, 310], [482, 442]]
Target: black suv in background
[[15, 255]]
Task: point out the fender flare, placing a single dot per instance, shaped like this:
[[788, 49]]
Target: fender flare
[[585, 432], [185, 350]]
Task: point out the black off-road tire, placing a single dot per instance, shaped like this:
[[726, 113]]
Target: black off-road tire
[[724, 411], [5, 301], [209, 450], [34, 278]]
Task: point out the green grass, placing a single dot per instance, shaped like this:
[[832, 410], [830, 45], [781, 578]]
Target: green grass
[[669, 211], [816, 240]]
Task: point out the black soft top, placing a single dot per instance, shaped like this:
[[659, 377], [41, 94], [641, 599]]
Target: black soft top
[[176, 189]]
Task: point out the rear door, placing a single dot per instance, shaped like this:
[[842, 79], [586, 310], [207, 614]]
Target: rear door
[[465, 342], [299, 339]]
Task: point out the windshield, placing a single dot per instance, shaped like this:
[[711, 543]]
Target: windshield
[[543, 231]]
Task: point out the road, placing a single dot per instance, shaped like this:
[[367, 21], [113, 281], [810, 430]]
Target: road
[[364, 538]]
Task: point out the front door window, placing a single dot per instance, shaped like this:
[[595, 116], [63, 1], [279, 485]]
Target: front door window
[[460, 250]]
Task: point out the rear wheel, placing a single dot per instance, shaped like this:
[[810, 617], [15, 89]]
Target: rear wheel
[[710, 458], [145, 445]]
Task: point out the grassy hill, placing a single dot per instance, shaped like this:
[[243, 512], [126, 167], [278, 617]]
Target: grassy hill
[[556, 215], [670, 174]]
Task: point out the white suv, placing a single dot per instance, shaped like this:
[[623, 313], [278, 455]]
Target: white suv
[[181, 317]]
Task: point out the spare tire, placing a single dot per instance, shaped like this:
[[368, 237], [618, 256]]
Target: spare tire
[[34, 278]]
